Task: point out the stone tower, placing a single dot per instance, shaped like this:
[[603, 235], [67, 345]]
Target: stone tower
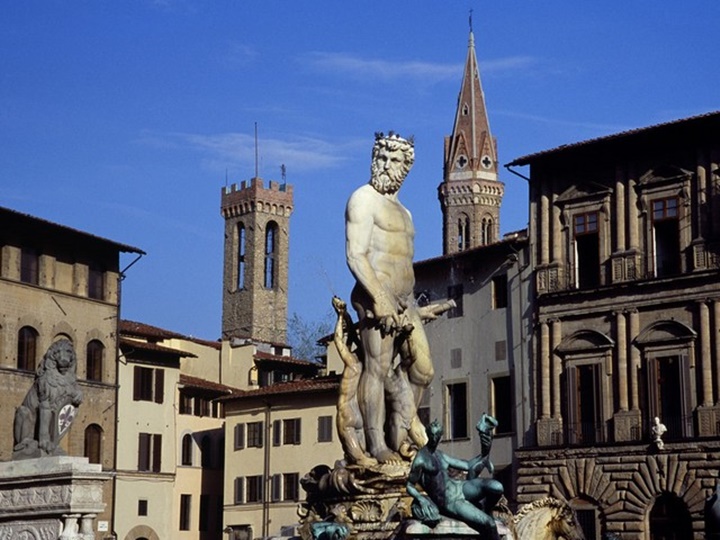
[[470, 194], [255, 269]]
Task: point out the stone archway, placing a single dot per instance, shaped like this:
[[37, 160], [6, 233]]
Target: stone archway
[[669, 519], [141, 532]]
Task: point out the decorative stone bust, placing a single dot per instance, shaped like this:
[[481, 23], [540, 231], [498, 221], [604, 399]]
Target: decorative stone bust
[[50, 406]]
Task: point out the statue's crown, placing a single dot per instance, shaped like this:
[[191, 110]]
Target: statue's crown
[[379, 135]]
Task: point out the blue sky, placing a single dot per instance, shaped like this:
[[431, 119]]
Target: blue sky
[[123, 118]]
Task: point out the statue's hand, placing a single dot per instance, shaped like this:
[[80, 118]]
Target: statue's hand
[[425, 510]]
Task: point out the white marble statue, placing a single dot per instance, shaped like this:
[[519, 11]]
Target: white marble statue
[[658, 430], [379, 236]]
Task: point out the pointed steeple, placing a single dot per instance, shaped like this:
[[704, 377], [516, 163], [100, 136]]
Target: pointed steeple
[[471, 193]]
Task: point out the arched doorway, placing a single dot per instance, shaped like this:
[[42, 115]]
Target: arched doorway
[[670, 519]]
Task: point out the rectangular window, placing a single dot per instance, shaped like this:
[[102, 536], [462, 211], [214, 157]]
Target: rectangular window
[[149, 452], [456, 410], [455, 358], [29, 266], [291, 431], [584, 403], [325, 428], [254, 493], [186, 403], [277, 432], [500, 291], [185, 501], [291, 483], [201, 407], [255, 434], [239, 436], [455, 292], [502, 403], [668, 383], [587, 250], [204, 513], [239, 490], [276, 487], [148, 384], [142, 507], [666, 236], [96, 283]]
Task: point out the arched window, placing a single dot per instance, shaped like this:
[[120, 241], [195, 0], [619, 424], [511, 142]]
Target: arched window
[[206, 452], [670, 518], [93, 443], [94, 360], [242, 241], [486, 231], [271, 255], [187, 450], [463, 233], [27, 348]]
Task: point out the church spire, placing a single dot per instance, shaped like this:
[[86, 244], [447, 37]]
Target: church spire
[[471, 192], [472, 147]]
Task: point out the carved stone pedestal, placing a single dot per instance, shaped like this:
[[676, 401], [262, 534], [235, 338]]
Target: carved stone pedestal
[[50, 498], [627, 426]]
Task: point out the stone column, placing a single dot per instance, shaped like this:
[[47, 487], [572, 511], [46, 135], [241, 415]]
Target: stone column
[[556, 368], [705, 355], [621, 352], [544, 225], [556, 229], [632, 215], [619, 209], [544, 370], [634, 330]]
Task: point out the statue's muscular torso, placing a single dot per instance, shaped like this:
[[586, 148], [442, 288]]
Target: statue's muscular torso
[[381, 229]]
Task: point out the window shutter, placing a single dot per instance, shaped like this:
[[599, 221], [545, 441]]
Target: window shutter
[[276, 487], [297, 431], [239, 489], [686, 393], [159, 385], [144, 452], [261, 432], [239, 436], [277, 432], [137, 383], [157, 452]]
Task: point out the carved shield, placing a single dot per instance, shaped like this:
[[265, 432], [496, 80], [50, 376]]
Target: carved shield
[[65, 418]]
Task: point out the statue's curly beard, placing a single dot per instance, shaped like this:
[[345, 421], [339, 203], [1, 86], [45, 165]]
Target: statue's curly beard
[[385, 183]]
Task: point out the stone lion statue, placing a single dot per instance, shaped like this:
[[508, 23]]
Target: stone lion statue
[[50, 405]]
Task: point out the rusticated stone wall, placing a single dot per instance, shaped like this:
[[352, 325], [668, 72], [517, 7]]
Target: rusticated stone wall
[[623, 483]]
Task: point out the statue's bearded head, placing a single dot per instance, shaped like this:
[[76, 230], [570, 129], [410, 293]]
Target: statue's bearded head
[[392, 158]]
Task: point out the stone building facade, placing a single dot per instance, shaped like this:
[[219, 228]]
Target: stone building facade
[[624, 235], [480, 349], [255, 272], [57, 282]]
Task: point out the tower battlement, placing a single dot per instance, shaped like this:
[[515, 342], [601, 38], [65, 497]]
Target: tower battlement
[[276, 199]]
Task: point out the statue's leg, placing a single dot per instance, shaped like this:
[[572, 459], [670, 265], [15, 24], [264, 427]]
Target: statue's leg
[[24, 427], [419, 364], [477, 519], [378, 351]]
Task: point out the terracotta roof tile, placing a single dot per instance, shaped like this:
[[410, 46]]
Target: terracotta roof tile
[[204, 384], [303, 386], [153, 347], [516, 237], [261, 356], [138, 329]]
